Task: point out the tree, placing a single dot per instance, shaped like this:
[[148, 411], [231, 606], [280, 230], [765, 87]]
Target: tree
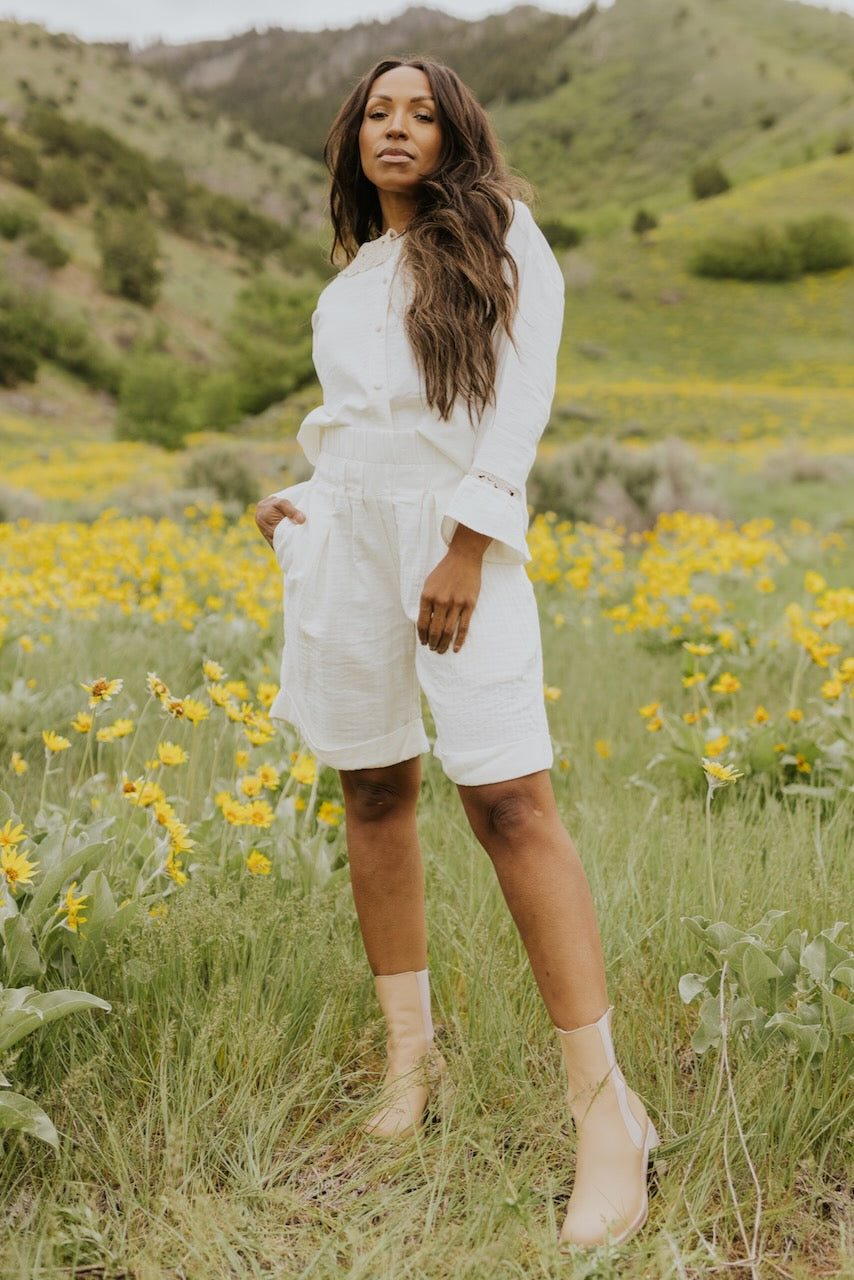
[[127, 240]]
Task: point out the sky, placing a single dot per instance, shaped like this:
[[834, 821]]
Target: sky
[[140, 23]]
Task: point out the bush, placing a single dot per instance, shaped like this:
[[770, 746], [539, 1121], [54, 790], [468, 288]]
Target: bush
[[25, 336], [77, 350], [224, 472], [19, 162], [215, 402], [756, 252], [560, 234], [643, 222], [15, 220], [843, 142], [269, 334], [597, 480], [45, 247], [63, 184], [152, 401], [824, 242], [708, 180], [129, 251]]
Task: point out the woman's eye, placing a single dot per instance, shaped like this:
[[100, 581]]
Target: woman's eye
[[425, 119], [376, 114]]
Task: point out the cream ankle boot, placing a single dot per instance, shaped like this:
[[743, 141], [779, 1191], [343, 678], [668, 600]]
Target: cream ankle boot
[[615, 1136], [413, 1064]]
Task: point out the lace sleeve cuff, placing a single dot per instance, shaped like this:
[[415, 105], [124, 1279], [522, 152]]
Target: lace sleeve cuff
[[486, 503]]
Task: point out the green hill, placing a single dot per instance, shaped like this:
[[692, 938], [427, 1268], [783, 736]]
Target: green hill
[[613, 107]]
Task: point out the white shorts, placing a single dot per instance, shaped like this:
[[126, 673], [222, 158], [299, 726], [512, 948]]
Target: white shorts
[[353, 668]]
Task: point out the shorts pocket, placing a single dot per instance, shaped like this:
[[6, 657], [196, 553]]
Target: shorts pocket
[[287, 533]]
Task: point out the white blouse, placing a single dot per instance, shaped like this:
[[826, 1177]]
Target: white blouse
[[369, 377]]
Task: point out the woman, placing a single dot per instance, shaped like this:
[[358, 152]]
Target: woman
[[404, 571]]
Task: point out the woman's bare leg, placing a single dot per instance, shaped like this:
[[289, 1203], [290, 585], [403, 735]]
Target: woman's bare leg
[[546, 889], [385, 864]]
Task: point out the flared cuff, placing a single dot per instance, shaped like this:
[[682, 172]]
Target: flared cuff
[[488, 505]]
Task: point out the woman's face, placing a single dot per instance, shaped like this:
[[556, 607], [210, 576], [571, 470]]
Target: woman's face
[[400, 138]]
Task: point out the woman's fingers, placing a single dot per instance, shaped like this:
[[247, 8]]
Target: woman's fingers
[[439, 626], [271, 511]]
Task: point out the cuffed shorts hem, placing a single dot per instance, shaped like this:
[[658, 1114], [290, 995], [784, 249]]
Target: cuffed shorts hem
[[498, 763], [404, 743]]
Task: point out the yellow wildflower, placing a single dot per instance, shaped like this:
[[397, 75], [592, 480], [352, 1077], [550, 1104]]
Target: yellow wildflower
[[795, 715], [11, 836], [552, 692], [54, 742], [718, 775], [213, 671], [175, 706], [304, 770], [650, 709], [241, 759], [251, 787], [218, 695], [102, 690], [259, 813], [257, 864], [329, 813], [832, 689], [143, 793], [158, 911], [234, 812], [82, 722], [169, 753], [699, 650], [267, 693], [26, 643], [602, 748], [238, 689], [814, 583], [16, 867], [690, 717], [156, 687], [268, 776], [559, 621], [697, 678], [766, 585], [173, 868], [18, 763], [802, 764], [71, 908], [259, 735], [760, 715], [654, 724], [179, 837], [726, 683], [716, 746], [195, 711]]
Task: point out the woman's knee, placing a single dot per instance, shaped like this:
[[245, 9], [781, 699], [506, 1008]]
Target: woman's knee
[[373, 795], [509, 813]]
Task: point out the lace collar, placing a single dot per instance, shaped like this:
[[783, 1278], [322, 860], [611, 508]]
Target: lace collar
[[374, 253]]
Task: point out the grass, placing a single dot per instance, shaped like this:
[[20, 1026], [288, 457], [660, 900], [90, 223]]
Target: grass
[[210, 1123]]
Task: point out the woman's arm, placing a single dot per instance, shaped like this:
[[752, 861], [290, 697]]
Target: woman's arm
[[491, 498]]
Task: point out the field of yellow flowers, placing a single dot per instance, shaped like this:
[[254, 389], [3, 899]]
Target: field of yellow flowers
[[173, 875]]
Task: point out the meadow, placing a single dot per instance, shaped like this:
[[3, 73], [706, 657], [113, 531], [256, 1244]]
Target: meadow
[[170, 852]]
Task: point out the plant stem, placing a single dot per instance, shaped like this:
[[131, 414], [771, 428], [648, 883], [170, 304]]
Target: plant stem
[[710, 866]]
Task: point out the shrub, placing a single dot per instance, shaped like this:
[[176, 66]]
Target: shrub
[[756, 252], [269, 334], [152, 401], [63, 184], [19, 162], [824, 242], [598, 480], [129, 251], [643, 222], [560, 234], [843, 142], [216, 401], [45, 247], [224, 472], [15, 220], [76, 349], [25, 335], [708, 180]]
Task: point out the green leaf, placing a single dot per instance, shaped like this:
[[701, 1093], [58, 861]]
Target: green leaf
[[759, 972], [690, 986], [20, 956], [46, 1007], [709, 1031], [840, 1014], [717, 935], [821, 955], [844, 974], [21, 1114], [810, 1040], [765, 926], [67, 868]]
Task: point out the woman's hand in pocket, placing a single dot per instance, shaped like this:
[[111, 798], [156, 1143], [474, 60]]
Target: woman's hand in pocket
[[271, 511]]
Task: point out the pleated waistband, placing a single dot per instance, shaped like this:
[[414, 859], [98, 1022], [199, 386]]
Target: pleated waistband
[[380, 461]]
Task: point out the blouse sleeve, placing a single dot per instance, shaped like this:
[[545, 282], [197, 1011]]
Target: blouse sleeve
[[491, 498]]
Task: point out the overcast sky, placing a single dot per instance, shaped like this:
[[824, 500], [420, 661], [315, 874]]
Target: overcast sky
[[198, 19]]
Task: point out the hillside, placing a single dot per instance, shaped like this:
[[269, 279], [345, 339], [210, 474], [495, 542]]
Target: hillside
[[613, 107], [101, 85]]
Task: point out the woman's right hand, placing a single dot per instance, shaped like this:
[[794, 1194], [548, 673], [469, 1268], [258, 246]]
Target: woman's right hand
[[271, 511]]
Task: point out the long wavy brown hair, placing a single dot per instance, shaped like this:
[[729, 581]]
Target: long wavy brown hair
[[464, 282]]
